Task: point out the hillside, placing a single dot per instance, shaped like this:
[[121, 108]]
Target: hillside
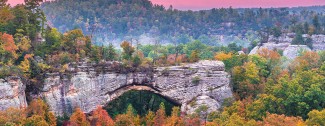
[[109, 20]]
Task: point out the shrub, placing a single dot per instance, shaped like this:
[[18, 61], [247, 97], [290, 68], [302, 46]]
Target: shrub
[[196, 80]]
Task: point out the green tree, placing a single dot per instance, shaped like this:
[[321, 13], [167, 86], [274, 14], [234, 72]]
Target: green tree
[[110, 53]]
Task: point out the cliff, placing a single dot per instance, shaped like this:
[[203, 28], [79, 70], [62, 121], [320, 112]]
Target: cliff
[[202, 83], [87, 85], [12, 93]]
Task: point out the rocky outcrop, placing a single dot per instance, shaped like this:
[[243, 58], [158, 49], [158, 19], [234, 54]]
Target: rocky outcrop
[[203, 83], [284, 43], [270, 46], [318, 42], [12, 93], [293, 51]]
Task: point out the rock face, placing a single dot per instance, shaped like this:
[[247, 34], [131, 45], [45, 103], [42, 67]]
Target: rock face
[[12, 93], [290, 51], [293, 51], [202, 83], [318, 42]]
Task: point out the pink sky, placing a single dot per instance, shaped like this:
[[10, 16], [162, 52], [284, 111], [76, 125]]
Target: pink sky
[[208, 4]]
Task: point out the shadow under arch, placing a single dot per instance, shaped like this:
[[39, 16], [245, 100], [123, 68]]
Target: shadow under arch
[[133, 93]]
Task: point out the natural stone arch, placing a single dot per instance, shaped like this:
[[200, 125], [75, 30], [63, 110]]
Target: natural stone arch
[[139, 87], [204, 82]]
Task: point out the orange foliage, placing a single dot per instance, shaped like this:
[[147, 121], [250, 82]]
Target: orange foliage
[[192, 121], [174, 119], [269, 54], [5, 15], [281, 120], [101, 117], [28, 56], [37, 107], [8, 43], [160, 117], [309, 60], [78, 118], [180, 59]]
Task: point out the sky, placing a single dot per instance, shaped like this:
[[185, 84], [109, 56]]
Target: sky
[[208, 4]]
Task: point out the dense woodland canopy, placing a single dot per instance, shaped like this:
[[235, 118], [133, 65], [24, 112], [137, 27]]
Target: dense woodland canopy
[[128, 19], [268, 88]]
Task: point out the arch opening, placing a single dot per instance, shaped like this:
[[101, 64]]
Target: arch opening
[[141, 98]]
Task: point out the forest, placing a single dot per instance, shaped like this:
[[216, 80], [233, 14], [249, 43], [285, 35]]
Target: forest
[[110, 20], [268, 88]]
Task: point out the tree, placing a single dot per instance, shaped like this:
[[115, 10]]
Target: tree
[[309, 60], [8, 48], [194, 57], [38, 108], [300, 94], [5, 13], [130, 118], [12, 115], [194, 46], [136, 61], [36, 18], [24, 45], [160, 117], [78, 118], [3, 3], [128, 50], [246, 80], [101, 117], [35, 120], [298, 39], [110, 53], [316, 118], [316, 24], [174, 119], [150, 118], [223, 56], [276, 31], [24, 66], [72, 40], [281, 120]]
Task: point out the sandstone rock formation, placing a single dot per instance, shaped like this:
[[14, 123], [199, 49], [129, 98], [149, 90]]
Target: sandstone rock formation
[[204, 83], [284, 43], [12, 93], [293, 51], [318, 42]]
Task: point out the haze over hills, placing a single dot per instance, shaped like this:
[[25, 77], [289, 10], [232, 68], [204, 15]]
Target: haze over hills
[[209, 4], [110, 20]]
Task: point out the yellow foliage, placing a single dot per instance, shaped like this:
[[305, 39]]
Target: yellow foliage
[[12, 115], [316, 118], [64, 68], [24, 44], [223, 56], [25, 66]]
